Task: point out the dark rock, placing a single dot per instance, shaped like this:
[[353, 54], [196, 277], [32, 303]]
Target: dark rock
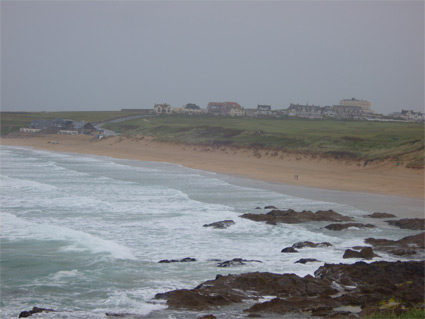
[[402, 252], [236, 262], [270, 207], [338, 227], [221, 224], [184, 260], [379, 280], [293, 305], [321, 311], [306, 260], [25, 314], [257, 207], [235, 288], [409, 223], [365, 253], [402, 247], [360, 284], [289, 250], [303, 244], [292, 217], [208, 317], [380, 215]]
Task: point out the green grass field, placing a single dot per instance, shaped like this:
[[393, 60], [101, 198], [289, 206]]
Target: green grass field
[[13, 121], [357, 140]]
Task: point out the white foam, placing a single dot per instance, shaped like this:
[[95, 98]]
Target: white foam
[[14, 228]]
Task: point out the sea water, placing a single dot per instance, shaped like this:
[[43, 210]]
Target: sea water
[[83, 234]]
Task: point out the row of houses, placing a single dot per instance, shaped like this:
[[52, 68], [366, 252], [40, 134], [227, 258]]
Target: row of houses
[[60, 126], [342, 111], [412, 116]]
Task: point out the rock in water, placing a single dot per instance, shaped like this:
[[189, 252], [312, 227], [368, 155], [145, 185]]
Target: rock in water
[[409, 223], [236, 262], [25, 314], [184, 260], [292, 217], [365, 253], [338, 227], [221, 224]]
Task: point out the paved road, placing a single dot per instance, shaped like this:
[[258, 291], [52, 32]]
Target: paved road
[[106, 132]]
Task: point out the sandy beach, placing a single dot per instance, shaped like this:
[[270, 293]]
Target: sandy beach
[[269, 166]]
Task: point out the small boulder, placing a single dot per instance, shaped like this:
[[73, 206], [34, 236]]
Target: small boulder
[[25, 314], [236, 262], [221, 224], [365, 253], [270, 207], [184, 260], [306, 260], [289, 250]]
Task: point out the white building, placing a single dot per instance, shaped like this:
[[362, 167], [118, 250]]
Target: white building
[[412, 116], [162, 108], [29, 130], [235, 111], [365, 105]]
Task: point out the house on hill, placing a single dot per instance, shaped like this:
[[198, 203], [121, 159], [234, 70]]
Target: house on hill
[[305, 111], [162, 108], [189, 109], [264, 110], [412, 116], [223, 108], [60, 126], [349, 112]]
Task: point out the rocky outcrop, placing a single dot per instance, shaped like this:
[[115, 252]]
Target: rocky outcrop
[[184, 260], [25, 314], [302, 244], [406, 246], [380, 215], [292, 217], [236, 262], [360, 284], [364, 253], [229, 289], [409, 223], [338, 227], [221, 224]]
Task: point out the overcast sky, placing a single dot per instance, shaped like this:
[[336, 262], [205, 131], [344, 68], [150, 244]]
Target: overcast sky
[[108, 55]]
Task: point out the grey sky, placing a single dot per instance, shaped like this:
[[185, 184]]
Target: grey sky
[[108, 55]]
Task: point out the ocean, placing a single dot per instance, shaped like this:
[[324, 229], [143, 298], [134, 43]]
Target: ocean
[[83, 234]]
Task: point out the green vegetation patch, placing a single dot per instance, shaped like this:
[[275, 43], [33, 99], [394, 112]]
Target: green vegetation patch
[[352, 140], [414, 313]]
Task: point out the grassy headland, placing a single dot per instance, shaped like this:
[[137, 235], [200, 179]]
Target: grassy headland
[[350, 140]]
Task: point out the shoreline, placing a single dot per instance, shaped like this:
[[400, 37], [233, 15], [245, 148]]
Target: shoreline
[[262, 166]]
